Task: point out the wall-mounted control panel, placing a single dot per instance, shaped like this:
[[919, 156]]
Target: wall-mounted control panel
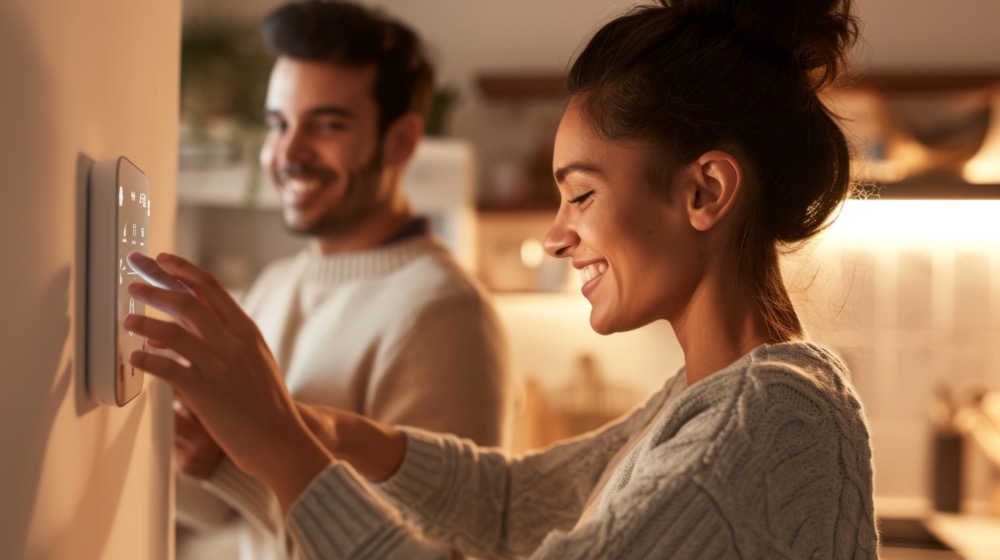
[[118, 216]]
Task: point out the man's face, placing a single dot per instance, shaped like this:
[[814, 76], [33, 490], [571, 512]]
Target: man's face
[[322, 149]]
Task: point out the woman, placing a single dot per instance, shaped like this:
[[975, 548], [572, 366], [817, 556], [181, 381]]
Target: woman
[[693, 147]]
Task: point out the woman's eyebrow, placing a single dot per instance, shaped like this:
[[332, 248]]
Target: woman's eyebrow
[[561, 173]]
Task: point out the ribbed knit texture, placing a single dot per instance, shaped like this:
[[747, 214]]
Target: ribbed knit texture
[[398, 333], [768, 458]]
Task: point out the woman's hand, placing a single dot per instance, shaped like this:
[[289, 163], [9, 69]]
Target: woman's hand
[[374, 450], [230, 380]]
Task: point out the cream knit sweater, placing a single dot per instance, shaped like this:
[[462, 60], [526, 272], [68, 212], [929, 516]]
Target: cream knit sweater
[[398, 333], [767, 458]]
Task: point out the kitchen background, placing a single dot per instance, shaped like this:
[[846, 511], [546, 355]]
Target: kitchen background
[[907, 290]]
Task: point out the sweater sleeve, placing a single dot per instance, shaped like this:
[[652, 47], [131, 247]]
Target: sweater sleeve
[[482, 500], [197, 508], [247, 495], [256, 505], [445, 369], [338, 516]]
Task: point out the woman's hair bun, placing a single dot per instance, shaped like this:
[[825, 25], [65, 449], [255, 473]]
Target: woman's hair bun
[[816, 34]]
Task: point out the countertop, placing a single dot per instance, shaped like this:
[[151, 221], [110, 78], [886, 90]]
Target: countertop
[[970, 536]]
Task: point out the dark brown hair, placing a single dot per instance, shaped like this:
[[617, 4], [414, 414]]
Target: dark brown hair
[[349, 34], [687, 77]]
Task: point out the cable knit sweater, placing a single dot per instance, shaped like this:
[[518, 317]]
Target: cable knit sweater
[[767, 458], [398, 333]]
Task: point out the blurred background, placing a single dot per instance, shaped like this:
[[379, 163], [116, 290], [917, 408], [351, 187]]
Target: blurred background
[[906, 285]]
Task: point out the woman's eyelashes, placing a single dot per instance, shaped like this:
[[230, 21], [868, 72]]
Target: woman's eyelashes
[[581, 198]]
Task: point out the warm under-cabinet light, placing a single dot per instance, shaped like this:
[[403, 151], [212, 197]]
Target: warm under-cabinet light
[[918, 220]]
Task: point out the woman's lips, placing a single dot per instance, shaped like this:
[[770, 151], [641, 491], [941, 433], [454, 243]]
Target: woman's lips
[[591, 275]]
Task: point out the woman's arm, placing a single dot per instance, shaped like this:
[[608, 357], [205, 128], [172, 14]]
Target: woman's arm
[[374, 450]]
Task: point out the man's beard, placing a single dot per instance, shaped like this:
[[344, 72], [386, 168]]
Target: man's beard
[[359, 202]]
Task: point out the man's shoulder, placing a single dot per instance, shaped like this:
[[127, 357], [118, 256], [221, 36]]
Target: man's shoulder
[[435, 275], [275, 275], [291, 264]]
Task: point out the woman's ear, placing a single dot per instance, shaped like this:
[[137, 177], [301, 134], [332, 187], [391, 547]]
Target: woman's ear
[[718, 180], [401, 139]]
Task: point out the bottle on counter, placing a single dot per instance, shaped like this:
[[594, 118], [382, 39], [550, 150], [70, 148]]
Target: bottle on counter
[[947, 449]]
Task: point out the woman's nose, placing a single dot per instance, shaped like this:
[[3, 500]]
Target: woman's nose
[[560, 238]]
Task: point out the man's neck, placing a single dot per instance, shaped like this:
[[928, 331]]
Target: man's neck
[[369, 234]]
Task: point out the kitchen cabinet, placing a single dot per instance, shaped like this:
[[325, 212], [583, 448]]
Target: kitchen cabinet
[[917, 135]]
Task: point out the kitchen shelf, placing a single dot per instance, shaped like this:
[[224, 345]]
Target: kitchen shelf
[[439, 180], [925, 82], [522, 85], [552, 84], [943, 189], [225, 187]]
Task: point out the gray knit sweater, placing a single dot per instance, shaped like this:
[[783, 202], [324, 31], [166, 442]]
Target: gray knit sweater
[[767, 458]]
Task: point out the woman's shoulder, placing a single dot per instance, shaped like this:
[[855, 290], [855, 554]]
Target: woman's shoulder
[[775, 443], [804, 377], [776, 389], [803, 372]]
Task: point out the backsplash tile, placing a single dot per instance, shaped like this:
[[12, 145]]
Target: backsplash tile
[[915, 317]]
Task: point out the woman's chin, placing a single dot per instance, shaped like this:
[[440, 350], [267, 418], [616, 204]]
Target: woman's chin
[[600, 324]]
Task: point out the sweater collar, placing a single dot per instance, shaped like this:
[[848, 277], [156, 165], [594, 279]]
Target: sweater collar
[[368, 263]]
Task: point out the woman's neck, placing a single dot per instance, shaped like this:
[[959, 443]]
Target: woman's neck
[[717, 328]]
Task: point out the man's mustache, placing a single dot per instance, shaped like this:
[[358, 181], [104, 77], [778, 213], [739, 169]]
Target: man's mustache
[[299, 171]]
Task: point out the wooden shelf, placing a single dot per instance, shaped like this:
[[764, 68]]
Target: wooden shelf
[[522, 85], [930, 189], [552, 85], [920, 82]]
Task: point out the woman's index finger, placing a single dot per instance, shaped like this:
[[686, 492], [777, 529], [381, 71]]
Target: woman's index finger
[[204, 286], [150, 271]]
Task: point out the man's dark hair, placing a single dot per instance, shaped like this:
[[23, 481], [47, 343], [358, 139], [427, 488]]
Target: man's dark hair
[[352, 35]]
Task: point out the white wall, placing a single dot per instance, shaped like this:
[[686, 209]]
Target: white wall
[[78, 81]]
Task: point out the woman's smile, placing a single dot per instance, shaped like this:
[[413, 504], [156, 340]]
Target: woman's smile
[[590, 275]]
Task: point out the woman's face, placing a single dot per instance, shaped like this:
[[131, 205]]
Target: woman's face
[[636, 251]]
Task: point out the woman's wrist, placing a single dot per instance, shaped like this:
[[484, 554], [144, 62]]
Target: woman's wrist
[[374, 450], [293, 466]]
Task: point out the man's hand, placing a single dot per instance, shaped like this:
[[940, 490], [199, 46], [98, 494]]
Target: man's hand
[[195, 452]]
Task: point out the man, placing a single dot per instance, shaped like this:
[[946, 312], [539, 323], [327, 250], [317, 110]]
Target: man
[[375, 316]]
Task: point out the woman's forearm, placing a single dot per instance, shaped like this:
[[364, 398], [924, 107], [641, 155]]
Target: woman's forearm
[[374, 450], [289, 469]]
